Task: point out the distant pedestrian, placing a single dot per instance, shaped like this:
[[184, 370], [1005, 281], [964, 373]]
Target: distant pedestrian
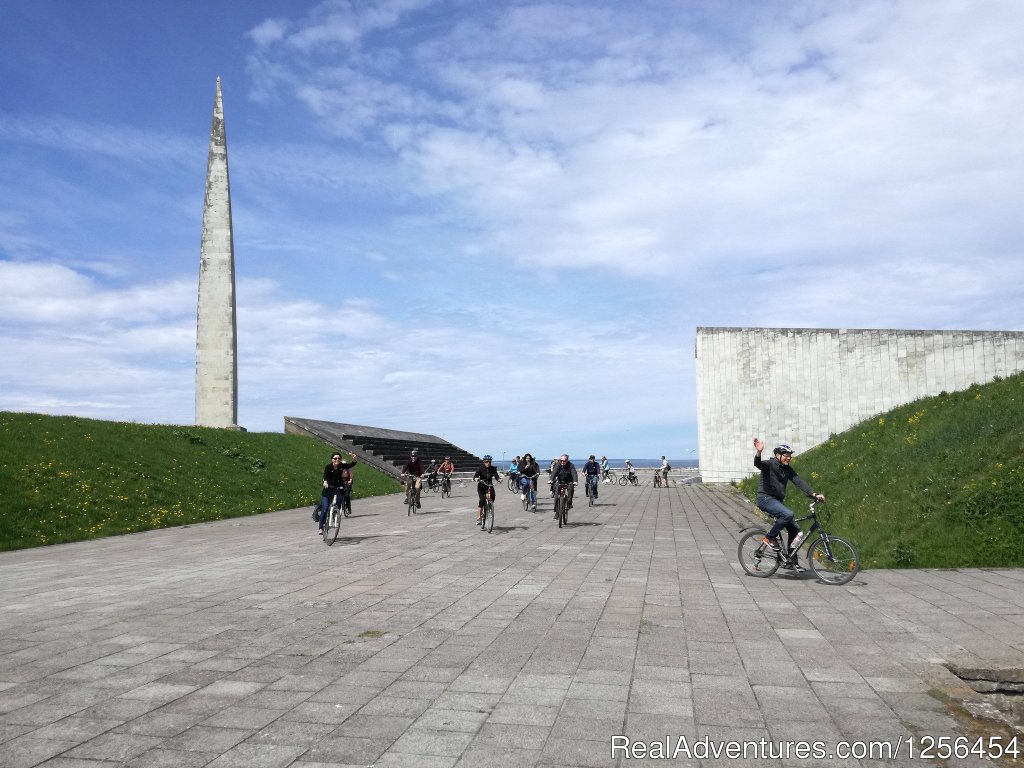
[[665, 469]]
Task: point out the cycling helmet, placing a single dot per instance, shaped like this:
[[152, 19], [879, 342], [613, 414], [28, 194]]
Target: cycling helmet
[[487, 457], [415, 452], [783, 449]]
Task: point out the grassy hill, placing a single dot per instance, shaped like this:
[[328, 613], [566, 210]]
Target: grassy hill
[[937, 483], [68, 479]]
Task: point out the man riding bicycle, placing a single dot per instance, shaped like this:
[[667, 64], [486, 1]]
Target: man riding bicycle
[[592, 471], [485, 477], [564, 474], [413, 470], [771, 493], [337, 480]]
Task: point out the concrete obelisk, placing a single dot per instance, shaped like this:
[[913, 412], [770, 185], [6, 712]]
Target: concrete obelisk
[[216, 330]]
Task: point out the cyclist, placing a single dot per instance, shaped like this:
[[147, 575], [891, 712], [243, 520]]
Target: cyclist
[[337, 479], [564, 474], [528, 471], [513, 471], [432, 474], [605, 470], [630, 472], [413, 468], [592, 471], [771, 492], [485, 477], [446, 469]]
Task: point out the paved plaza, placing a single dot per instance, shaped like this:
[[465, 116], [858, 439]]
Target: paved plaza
[[421, 641]]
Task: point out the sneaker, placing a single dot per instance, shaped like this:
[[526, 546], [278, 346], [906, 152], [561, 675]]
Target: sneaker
[[771, 543], [320, 532], [522, 497]]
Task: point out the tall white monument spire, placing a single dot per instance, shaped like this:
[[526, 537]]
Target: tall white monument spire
[[216, 343]]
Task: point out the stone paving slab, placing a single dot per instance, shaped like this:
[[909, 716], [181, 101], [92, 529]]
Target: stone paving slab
[[423, 641]]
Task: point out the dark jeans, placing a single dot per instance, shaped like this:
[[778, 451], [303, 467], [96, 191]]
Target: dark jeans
[[327, 497], [782, 515]]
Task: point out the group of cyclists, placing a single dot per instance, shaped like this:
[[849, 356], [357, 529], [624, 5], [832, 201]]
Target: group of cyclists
[[524, 472]]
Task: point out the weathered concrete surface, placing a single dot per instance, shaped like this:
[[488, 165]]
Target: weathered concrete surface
[[799, 385], [420, 641], [216, 328]]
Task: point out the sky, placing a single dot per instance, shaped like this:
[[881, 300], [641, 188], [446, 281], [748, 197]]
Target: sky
[[500, 223]]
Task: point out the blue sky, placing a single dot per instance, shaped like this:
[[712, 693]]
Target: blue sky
[[496, 222]]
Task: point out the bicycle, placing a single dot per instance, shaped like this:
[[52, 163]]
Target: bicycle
[[657, 479], [446, 486], [410, 495], [513, 482], [332, 521], [591, 489], [562, 504], [629, 479], [611, 476], [832, 559], [487, 513], [528, 493], [433, 484]]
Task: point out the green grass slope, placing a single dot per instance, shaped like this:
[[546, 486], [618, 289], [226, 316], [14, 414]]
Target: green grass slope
[[938, 483], [68, 479]]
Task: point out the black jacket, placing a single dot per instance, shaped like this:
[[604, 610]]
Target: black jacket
[[775, 475]]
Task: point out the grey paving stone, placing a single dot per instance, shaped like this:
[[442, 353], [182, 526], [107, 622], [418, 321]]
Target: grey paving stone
[[532, 649]]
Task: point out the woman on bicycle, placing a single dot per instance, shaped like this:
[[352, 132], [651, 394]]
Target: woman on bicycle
[[337, 478], [485, 477], [528, 471], [771, 492], [604, 470]]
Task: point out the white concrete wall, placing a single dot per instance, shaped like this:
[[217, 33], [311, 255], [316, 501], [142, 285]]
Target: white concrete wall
[[799, 385], [216, 343]]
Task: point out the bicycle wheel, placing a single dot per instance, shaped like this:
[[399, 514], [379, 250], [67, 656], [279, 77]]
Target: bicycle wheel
[[590, 495], [526, 501], [756, 557], [331, 525], [446, 488], [410, 502], [348, 505], [623, 480], [833, 562], [489, 516]]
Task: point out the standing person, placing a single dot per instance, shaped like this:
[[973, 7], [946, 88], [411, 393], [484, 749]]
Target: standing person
[[337, 479], [665, 469], [413, 470], [604, 470], [565, 474], [771, 491], [592, 471], [485, 477], [528, 471]]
